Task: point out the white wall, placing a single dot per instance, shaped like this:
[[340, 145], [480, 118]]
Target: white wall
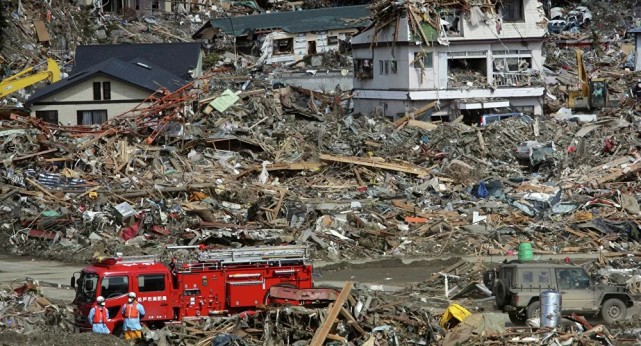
[[83, 92], [301, 44]]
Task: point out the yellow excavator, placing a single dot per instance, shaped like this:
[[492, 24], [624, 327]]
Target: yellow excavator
[[594, 91], [22, 80]]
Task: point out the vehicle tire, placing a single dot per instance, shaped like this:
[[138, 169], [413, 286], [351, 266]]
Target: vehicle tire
[[118, 331], [500, 293], [517, 319], [613, 310], [533, 310]]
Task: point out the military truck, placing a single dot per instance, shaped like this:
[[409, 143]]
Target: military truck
[[518, 284]]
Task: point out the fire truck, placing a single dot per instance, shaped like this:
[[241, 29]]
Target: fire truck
[[215, 283]]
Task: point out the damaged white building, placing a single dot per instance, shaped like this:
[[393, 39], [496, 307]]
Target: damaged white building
[[288, 37], [483, 60]]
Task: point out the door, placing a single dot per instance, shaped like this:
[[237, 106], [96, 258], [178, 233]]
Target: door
[[311, 47], [577, 292], [153, 294]]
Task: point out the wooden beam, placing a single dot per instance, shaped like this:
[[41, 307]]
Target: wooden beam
[[322, 332], [378, 163], [352, 321]]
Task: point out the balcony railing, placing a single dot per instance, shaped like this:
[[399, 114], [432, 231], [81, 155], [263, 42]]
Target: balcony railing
[[517, 79]]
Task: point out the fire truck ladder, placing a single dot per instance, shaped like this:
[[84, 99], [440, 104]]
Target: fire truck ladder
[[138, 259], [255, 255]]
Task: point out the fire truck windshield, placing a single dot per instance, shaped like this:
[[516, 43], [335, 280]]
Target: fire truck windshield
[[87, 284]]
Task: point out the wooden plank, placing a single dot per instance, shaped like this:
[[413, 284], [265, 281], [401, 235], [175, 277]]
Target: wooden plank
[[378, 163], [352, 321], [322, 332], [41, 30]]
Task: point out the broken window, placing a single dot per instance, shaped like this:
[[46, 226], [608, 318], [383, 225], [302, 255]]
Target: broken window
[[332, 40], [451, 21], [510, 10], [512, 71], [468, 72], [423, 60], [283, 46], [363, 68], [92, 117], [48, 116], [524, 109], [387, 66], [154, 4]]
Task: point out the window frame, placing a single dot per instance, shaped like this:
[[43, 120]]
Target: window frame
[[507, 12], [277, 44], [106, 90], [428, 60], [97, 92], [79, 116], [332, 40], [43, 115], [364, 68]]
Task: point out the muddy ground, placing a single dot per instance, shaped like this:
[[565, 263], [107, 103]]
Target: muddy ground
[[8, 338]]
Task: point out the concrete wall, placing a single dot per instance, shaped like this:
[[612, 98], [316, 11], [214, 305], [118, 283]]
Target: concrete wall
[[322, 80], [124, 97], [397, 108]]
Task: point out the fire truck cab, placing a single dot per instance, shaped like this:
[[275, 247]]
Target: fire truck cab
[[219, 282]]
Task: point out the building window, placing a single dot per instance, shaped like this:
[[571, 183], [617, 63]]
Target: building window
[[511, 10], [154, 4], [106, 90], [332, 40], [387, 66], [151, 283], [423, 60], [48, 116], [363, 68], [96, 91], [92, 117], [524, 109], [512, 64], [283, 46]]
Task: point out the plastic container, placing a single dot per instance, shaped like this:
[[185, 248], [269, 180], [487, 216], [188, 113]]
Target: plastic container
[[550, 308], [525, 252]]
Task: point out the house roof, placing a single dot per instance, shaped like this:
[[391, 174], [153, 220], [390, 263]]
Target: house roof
[[322, 19], [177, 58], [139, 72]]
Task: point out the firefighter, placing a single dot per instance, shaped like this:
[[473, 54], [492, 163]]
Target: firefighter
[[98, 316], [133, 312]]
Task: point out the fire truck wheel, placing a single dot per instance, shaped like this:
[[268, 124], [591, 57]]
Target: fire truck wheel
[[267, 296], [118, 331]]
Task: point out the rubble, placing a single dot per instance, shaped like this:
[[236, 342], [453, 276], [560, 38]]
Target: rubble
[[243, 161]]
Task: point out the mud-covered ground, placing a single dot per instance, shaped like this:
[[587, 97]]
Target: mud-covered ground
[[8, 338]]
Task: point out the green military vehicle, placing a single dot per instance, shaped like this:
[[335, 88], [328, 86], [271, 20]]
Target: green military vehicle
[[518, 284]]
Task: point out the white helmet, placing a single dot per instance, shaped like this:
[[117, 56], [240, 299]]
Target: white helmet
[[131, 295], [100, 300]]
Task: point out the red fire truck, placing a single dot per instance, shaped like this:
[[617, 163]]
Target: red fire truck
[[218, 282]]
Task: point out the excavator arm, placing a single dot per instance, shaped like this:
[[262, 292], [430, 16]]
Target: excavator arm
[[23, 79]]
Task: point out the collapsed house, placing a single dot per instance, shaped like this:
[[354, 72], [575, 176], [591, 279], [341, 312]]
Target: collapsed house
[[473, 57], [108, 80], [287, 37]]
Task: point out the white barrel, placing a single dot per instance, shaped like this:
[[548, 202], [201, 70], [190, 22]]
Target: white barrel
[[550, 308]]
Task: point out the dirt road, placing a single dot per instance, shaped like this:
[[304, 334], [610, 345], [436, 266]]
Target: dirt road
[[386, 274]]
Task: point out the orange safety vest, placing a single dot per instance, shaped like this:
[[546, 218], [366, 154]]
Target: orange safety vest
[[131, 310], [99, 315]]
